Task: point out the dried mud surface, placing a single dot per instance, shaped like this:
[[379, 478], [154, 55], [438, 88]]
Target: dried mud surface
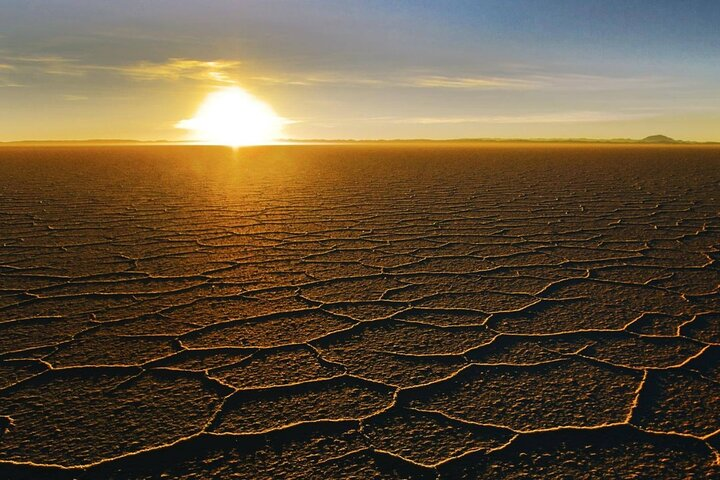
[[492, 311]]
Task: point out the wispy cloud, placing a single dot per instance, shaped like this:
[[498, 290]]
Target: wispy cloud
[[512, 81], [590, 82], [4, 83], [173, 69], [18, 69], [318, 78], [440, 81], [74, 98], [396, 80], [45, 64], [559, 117], [6, 71], [223, 71]]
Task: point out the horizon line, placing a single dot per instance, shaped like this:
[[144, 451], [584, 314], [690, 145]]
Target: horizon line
[[653, 139]]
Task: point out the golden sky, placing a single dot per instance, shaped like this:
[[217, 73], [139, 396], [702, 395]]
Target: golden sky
[[364, 69]]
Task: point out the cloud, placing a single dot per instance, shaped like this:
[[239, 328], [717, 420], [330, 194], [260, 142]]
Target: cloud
[[440, 81], [587, 82], [6, 71], [559, 117], [28, 70], [319, 78], [515, 81], [45, 64], [182, 68], [5, 83], [512, 80], [74, 98], [424, 81], [217, 71]]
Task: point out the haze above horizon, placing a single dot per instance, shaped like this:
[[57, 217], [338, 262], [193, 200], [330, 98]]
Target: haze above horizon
[[78, 69]]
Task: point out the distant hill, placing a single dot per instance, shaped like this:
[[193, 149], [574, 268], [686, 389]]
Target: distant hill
[[659, 139]]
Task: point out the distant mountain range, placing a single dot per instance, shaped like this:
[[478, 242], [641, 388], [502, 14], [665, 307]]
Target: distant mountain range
[[652, 139]]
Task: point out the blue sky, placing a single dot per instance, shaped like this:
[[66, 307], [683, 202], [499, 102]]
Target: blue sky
[[370, 69]]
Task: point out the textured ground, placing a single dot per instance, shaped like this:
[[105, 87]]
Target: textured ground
[[360, 312]]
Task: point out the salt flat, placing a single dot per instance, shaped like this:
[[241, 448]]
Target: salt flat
[[375, 311]]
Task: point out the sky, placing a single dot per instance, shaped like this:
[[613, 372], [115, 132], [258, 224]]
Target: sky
[[339, 69]]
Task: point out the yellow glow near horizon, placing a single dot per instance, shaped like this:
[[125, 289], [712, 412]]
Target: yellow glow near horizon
[[231, 116]]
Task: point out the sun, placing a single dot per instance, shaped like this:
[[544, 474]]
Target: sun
[[231, 116]]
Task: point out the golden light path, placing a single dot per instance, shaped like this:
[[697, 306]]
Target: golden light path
[[231, 116]]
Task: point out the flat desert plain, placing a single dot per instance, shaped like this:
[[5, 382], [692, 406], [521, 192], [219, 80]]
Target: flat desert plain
[[360, 311]]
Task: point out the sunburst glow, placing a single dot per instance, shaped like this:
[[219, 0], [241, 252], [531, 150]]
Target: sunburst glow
[[234, 117]]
